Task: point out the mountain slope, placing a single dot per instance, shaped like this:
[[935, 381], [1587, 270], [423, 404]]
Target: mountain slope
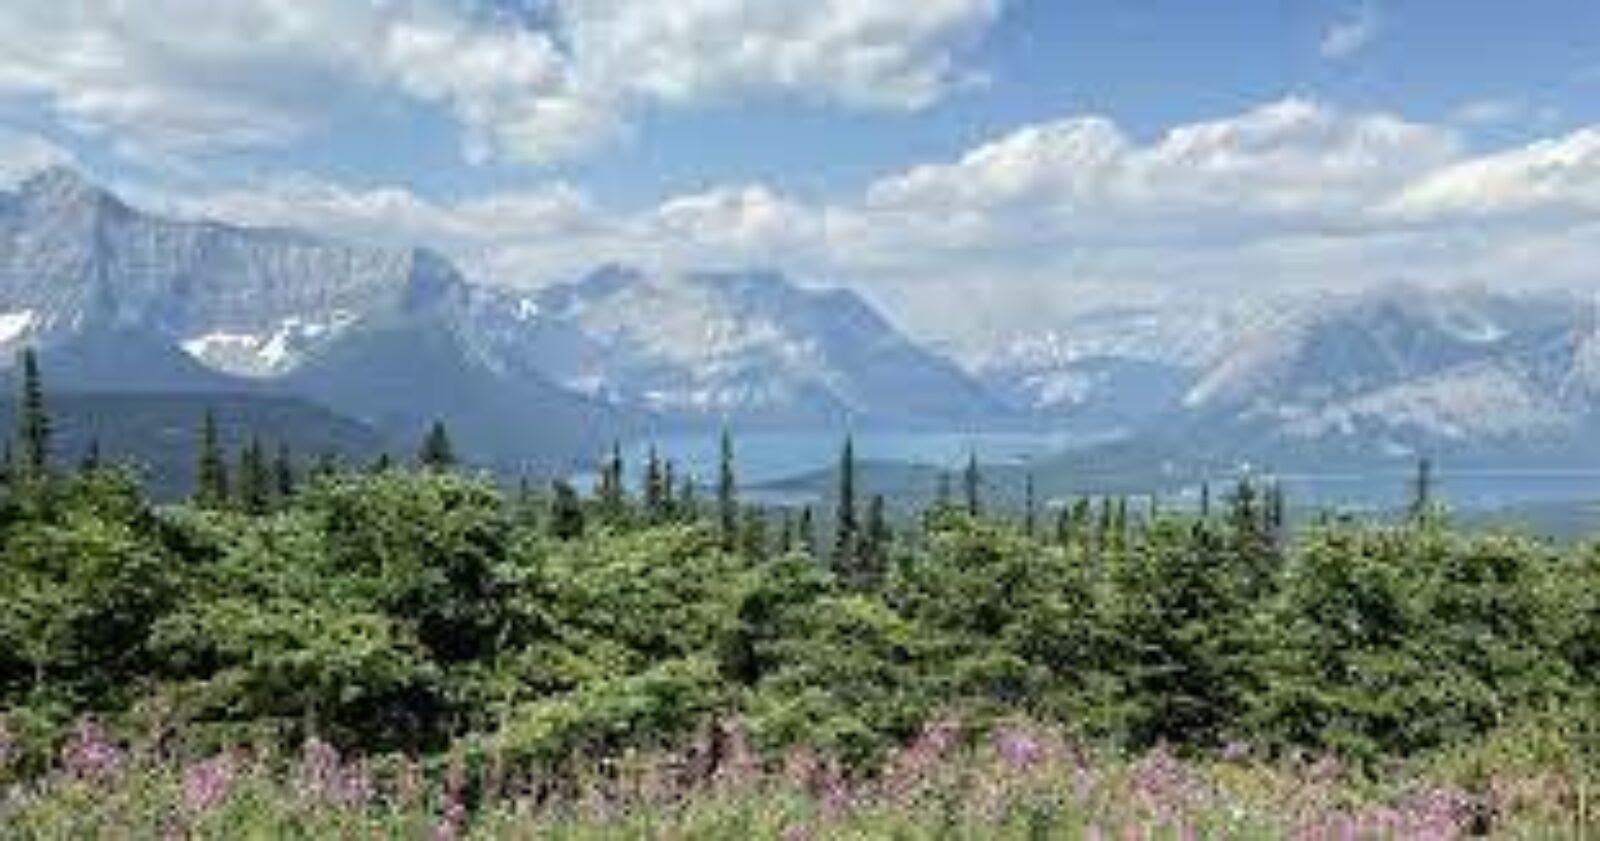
[[1479, 379], [403, 376], [159, 434], [751, 347], [122, 300]]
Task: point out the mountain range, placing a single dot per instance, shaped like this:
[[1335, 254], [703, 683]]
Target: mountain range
[[120, 300], [125, 302]]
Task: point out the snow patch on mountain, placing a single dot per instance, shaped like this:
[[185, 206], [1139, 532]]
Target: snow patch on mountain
[[15, 325], [268, 354]]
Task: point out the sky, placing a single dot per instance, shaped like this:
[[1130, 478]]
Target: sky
[[982, 169]]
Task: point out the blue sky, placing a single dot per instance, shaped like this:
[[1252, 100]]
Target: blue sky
[[1030, 156]]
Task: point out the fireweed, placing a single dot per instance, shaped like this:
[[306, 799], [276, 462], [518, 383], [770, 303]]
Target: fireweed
[[1018, 780]]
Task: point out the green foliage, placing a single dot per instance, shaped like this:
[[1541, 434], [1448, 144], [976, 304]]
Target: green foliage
[[437, 452], [412, 609], [211, 472], [34, 426]]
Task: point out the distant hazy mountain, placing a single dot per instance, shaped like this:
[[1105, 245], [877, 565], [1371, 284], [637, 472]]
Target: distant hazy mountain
[[752, 348], [1390, 375], [1112, 367]]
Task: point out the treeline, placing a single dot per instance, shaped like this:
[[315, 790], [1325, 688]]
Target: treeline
[[415, 608]]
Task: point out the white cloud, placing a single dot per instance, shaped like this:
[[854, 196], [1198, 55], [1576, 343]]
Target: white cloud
[[172, 77], [1058, 217], [1489, 112], [23, 154], [1353, 34], [1549, 180], [870, 53]]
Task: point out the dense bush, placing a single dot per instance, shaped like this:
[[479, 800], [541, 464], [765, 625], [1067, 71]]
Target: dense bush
[[405, 611]]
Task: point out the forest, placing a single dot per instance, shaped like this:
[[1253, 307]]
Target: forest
[[407, 648]]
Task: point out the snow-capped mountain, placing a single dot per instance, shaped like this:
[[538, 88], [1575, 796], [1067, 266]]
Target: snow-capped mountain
[[1422, 364], [751, 347], [1115, 368], [75, 258], [122, 300]]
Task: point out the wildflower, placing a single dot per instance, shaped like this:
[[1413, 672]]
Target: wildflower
[[318, 778], [1020, 750], [90, 755], [451, 823], [206, 784], [408, 784], [909, 769], [8, 746], [740, 766], [352, 786]]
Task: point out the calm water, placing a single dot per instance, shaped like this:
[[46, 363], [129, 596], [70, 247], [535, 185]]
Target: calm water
[[764, 457]]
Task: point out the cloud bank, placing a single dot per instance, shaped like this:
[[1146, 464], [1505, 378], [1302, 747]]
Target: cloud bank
[[1055, 217], [170, 78]]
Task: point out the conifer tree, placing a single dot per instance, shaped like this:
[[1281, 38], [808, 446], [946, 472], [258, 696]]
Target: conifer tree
[[211, 474], [727, 494], [655, 496], [383, 463], [91, 461], [806, 532], [8, 465], [688, 500], [847, 530], [327, 465], [1079, 522], [566, 512], [971, 486], [669, 489], [753, 534], [437, 452], [879, 539], [33, 428], [1205, 500], [612, 495], [254, 479], [786, 534], [1030, 509], [283, 480], [1421, 507]]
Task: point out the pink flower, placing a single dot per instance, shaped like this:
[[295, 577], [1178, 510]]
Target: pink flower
[[90, 755], [1021, 751], [205, 785], [8, 746]]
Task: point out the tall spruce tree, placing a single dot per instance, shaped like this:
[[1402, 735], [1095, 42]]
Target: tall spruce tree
[[92, 460], [688, 504], [878, 541], [211, 472], [1030, 508], [972, 486], [847, 529], [727, 495], [1421, 508], [612, 495], [283, 479], [33, 427], [655, 494], [806, 532], [566, 511], [437, 451], [254, 479], [753, 534]]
